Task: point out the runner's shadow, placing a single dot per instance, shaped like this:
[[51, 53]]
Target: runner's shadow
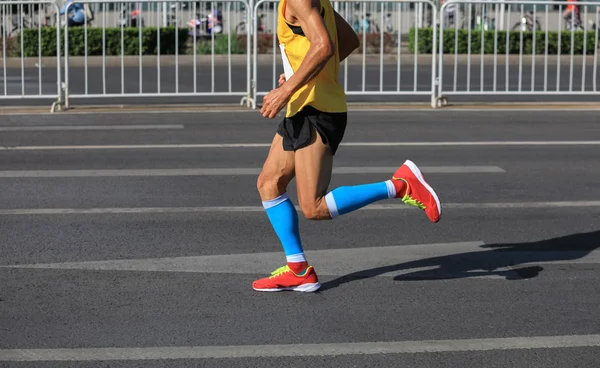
[[486, 263]]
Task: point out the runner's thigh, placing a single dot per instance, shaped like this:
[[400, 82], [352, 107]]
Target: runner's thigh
[[313, 170], [277, 171]]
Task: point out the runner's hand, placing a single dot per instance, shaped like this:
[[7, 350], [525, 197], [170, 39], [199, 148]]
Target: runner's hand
[[281, 79], [274, 101]]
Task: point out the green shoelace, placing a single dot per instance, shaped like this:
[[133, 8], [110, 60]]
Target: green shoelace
[[412, 202]]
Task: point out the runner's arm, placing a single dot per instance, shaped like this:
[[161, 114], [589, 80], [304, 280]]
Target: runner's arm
[[307, 13], [347, 39]]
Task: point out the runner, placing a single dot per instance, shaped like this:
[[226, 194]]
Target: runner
[[314, 39]]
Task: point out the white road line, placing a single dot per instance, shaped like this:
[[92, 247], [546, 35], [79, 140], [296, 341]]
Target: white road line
[[428, 261], [117, 111], [232, 171], [263, 145], [473, 143], [295, 350], [378, 207], [328, 262], [88, 127]]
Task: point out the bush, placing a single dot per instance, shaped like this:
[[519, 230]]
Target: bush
[[373, 43], [131, 41], [265, 42], [9, 47], [222, 45], [47, 37], [425, 42]]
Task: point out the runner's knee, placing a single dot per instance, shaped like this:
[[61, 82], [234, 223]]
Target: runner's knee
[[270, 183], [313, 209]]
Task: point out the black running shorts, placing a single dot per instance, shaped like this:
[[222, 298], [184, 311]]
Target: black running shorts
[[297, 133]]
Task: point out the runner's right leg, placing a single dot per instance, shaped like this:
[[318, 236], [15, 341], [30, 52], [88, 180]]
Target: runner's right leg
[[278, 170]]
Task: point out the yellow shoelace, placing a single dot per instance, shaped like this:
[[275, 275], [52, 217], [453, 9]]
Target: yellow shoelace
[[412, 202], [408, 199], [279, 271]]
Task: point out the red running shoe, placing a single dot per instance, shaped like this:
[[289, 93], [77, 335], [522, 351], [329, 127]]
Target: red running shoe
[[418, 192], [284, 278]]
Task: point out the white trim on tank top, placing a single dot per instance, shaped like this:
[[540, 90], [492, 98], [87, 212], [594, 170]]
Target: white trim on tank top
[[287, 67]]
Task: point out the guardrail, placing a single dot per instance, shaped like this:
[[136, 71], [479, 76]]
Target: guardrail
[[506, 48], [35, 79], [208, 48], [380, 67], [158, 61]]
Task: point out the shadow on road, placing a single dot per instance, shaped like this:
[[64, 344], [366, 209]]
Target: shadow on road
[[486, 263]]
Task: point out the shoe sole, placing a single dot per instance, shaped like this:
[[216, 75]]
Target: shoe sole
[[415, 170], [305, 288]]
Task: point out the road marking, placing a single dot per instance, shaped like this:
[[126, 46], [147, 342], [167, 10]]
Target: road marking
[[233, 171], [329, 262], [295, 350], [89, 127], [458, 108], [263, 145], [476, 143], [16, 111], [419, 261], [375, 207]]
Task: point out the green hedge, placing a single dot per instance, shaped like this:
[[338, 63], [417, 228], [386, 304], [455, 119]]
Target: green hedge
[[425, 42], [112, 38], [31, 38]]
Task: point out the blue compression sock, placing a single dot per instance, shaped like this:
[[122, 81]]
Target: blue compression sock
[[284, 218], [346, 199]]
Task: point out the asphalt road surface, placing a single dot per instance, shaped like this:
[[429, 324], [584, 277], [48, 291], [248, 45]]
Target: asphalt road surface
[[132, 240], [413, 82]]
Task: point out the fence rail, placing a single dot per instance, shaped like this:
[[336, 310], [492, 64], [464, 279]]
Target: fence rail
[[16, 15], [137, 41], [228, 48], [396, 72], [507, 49]]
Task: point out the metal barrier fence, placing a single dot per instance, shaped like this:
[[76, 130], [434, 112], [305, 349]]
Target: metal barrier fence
[[380, 67], [157, 61], [488, 48], [506, 48], [34, 77]]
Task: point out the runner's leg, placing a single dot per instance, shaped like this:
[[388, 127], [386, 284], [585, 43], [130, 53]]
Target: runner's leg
[[313, 174], [277, 172]]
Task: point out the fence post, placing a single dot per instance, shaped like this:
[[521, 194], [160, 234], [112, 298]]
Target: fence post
[[59, 104]]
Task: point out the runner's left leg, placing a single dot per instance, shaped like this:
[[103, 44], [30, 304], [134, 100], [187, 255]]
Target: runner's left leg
[[313, 166], [313, 175]]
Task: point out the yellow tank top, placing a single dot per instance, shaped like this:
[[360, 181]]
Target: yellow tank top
[[323, 92]]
